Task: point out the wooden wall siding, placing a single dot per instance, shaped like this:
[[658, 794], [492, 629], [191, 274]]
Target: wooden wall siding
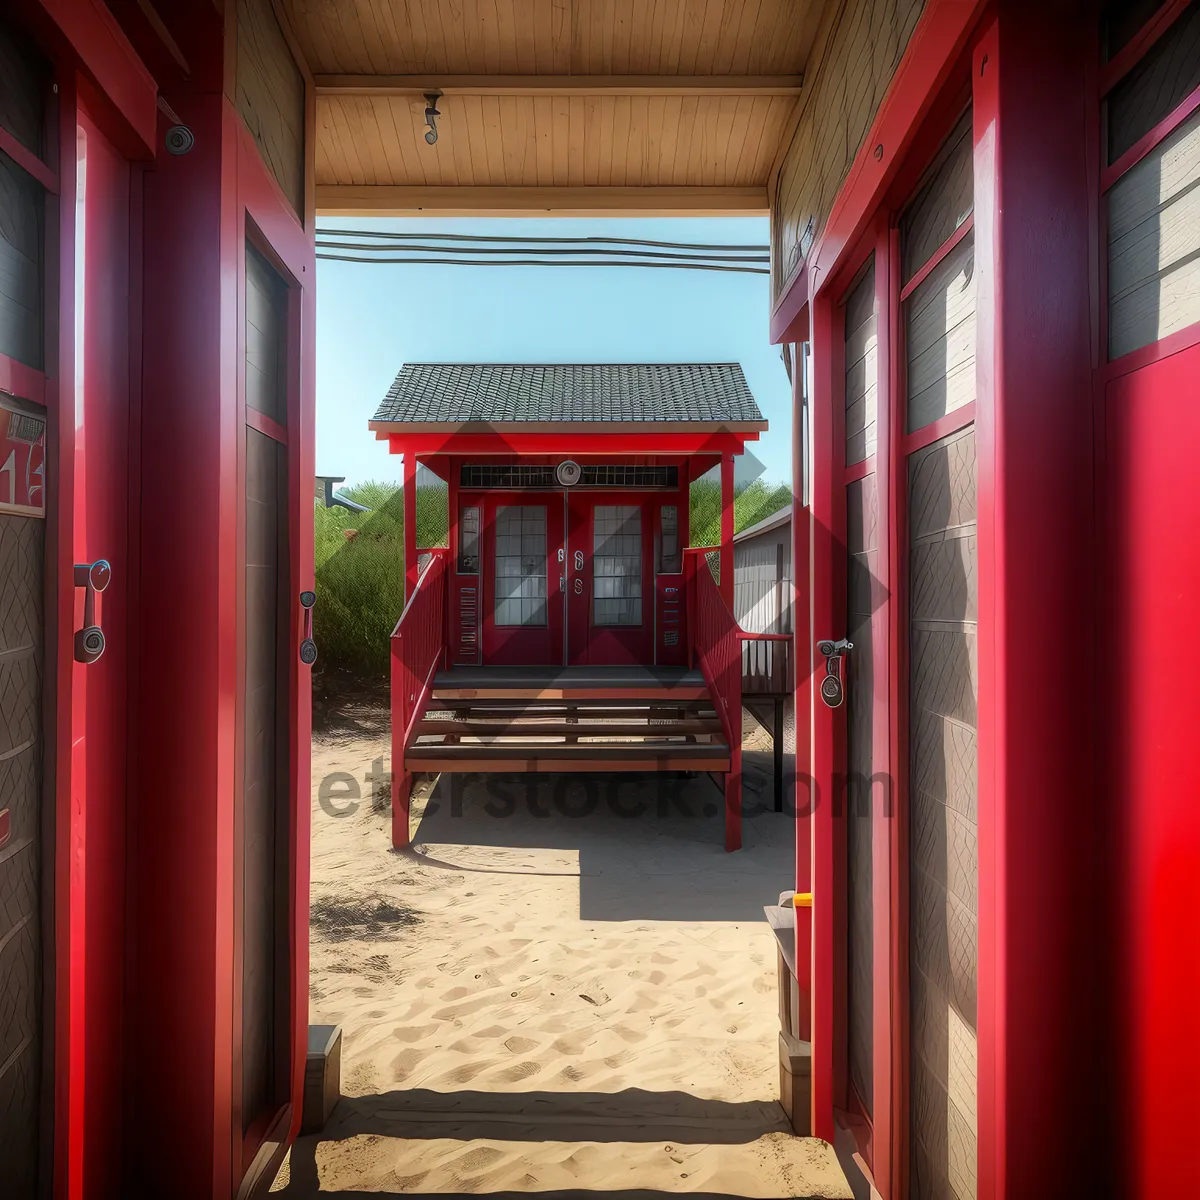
[[558, 141], [862, 368], [1169, 73], [22, 242], [270, 96], [1154, 244], [265, 781], [555, 37], [862, 565], [266, 338], [24, 84], [852, 63], [943, 819], [762, 582], [943, 201], [940, 334], [22, 551]]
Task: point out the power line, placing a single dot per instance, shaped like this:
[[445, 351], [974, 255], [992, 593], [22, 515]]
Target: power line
[[547, 262], [530, 241], [577, 251]]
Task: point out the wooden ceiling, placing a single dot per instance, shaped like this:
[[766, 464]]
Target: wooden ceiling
[[552, 105]]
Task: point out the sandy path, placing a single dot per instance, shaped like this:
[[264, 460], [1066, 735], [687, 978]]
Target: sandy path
[[548, 996]]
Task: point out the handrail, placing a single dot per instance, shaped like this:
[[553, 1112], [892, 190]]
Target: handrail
[[418, 648], [715, 646]]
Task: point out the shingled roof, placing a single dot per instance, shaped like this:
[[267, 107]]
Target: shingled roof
[[442, 395]]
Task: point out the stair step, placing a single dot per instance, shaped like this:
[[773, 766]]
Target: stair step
[[515, 708], [551, 725], [563, 756]]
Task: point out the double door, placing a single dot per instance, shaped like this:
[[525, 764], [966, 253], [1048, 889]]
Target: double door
[[567, 579]]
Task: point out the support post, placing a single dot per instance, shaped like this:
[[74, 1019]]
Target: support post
[[777, 748], [410, 524], [726, 555]]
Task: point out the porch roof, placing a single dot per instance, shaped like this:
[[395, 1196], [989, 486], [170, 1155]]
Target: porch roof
[[595, 397]]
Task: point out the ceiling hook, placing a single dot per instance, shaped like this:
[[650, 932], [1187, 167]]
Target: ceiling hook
[[431, 116]]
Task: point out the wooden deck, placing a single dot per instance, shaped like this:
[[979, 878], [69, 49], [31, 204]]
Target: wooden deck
[[569, 683]]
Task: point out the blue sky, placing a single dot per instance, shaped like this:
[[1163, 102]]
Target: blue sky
[[372, 319]]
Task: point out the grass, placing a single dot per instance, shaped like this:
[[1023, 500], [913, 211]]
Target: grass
[[360, 560]]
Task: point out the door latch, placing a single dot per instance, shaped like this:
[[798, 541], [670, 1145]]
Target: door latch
[[833, 690], [308, 648], [93, 578]]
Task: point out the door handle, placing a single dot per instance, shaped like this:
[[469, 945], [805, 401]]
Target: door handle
[[93, 578], [833, 690], [308, 648]]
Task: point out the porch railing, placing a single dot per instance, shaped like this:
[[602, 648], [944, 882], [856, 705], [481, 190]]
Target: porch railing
[[715, 646], [418, 649], [767, 664]]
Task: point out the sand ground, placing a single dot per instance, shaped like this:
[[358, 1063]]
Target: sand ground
[[567, 987]]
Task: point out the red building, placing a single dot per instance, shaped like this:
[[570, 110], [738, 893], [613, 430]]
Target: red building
[[567, 628], [984, 262]]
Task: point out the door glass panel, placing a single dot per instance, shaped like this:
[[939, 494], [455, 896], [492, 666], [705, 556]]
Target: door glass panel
[[520, 564], [617, 565], [468, 541]]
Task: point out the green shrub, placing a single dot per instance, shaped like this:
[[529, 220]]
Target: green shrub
[[360, 560], [360, 572]]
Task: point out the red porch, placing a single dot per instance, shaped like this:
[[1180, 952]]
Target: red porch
[[567, 626]]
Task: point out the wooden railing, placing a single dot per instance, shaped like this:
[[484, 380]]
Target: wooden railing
[[418, 650], [715, 646], [767, 664]]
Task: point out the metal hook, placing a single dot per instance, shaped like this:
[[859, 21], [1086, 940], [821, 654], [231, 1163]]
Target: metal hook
[[431, 116]]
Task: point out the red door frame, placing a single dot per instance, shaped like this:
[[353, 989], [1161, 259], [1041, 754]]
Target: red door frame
[[607, 645], [859, 224], [538, 645], [264, 216], [1152, 961]]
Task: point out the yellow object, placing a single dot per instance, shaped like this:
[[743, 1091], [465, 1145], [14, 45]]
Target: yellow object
[[802, 900]]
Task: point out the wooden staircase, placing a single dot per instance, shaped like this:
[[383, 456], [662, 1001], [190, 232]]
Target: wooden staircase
[[554, 719]]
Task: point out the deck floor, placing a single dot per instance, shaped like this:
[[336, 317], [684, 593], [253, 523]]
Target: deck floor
[[570, 678]]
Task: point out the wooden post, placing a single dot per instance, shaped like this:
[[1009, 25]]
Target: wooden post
[[726, 554], [410, 524]]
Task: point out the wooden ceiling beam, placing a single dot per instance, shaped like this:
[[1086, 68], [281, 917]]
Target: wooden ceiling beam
[[559, 85], [383, 200]]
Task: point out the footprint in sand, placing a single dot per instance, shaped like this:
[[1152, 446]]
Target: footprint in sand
[[466, 1072], [520, 1045], [523, 1070]]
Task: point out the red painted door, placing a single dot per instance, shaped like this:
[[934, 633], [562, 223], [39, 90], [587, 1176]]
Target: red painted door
[[1153, 641], [523, 580], [610, 579]]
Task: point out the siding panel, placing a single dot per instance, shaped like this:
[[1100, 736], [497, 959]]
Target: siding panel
[[270, 97]]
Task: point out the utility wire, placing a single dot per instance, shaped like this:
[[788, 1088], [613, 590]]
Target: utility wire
[[555, 253], [477, 237], [544, 262]]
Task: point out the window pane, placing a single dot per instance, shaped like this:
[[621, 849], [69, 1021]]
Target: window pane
[[1122, 21], [862, 368], [22, 241], [521, 565], [24, 83], [669, 558], [943, 201], [939, 320], [1168, 74], [617, 565], [468, 541], [1154, 244]]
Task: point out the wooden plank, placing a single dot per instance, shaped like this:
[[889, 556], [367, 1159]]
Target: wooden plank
[[406, 200], [270, 96], [559, 85], [861, 46], [541, 764], [582, 693], [561, 728]]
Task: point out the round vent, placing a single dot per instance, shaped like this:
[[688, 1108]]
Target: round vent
[[568, 473]]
